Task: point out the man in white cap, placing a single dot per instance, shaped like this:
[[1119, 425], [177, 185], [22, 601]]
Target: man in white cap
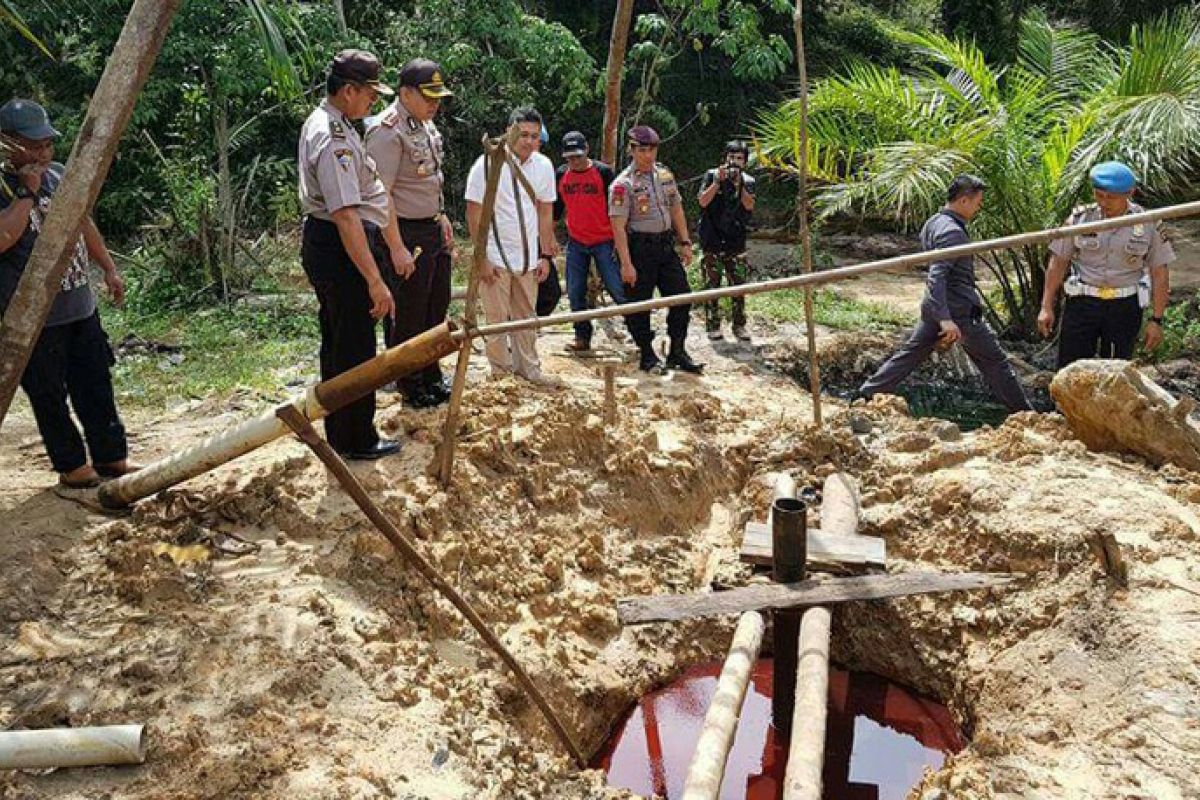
[[1108, 277], [72, 356]]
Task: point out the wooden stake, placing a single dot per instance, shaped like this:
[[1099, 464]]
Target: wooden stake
[[304, 429], [496, 153], [610, 395], [814, 369], [108, 113], [720, 723]]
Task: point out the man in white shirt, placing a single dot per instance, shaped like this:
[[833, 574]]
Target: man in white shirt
[[520, 245]]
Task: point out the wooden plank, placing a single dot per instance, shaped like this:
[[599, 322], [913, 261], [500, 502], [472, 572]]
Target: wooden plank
[[662, 608], [823, 547], [108, 113]]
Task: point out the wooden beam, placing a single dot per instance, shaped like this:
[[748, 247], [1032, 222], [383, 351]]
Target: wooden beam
[[824, 548], [108, 113], [812, 592], [720, 723]]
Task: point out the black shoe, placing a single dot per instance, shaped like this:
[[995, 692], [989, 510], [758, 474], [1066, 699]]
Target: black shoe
[[680, 360], [649, 362], [384, 447], [438, 392], [421, 399]]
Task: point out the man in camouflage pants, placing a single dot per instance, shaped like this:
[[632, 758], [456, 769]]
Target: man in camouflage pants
[[726, 202]]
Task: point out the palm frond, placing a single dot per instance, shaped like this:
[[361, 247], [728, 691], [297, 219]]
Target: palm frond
[[975, 79], [11, 17], [279, 61], [1072, 60]]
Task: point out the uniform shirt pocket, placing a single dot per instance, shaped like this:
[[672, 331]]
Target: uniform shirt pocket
[[1089, 243]]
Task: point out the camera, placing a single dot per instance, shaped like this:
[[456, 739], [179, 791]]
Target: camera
[[733, 174]]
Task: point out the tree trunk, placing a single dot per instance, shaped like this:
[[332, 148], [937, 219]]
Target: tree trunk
[[612, 86], [340, 7], [225, 201], [107, 115], [814, 369]]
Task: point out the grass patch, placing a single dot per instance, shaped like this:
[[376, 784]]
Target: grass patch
[[220, 350], [829, 308]]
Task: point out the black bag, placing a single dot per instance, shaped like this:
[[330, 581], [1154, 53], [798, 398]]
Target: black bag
[[549, 292]]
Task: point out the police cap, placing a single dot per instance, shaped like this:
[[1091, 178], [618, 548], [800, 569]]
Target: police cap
[[360, 66], [425, 75], [643, 135], [1113, 176]]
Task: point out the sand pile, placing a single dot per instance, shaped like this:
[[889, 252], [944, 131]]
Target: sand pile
[[276, 648]]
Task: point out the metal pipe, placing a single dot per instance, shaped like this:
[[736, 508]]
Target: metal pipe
[[72, 747], [317, 402], [720, 723], [788, 554], [831, 275]]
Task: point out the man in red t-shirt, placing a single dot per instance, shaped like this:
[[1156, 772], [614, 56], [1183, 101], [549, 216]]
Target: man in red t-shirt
[[583, 197]]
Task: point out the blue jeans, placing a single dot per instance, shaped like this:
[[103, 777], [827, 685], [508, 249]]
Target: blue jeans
[[578, 259]]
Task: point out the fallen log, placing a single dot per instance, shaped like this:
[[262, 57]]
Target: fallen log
[[812, 592]]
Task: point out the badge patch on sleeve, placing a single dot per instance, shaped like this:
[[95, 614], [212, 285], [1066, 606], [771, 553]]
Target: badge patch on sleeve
[[618, 194], [344, 157]]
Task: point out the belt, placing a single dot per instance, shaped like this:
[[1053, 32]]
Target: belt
[[1079, 288], [653, 236], [421, 221]]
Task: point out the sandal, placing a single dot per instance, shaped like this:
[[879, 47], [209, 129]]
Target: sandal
[[82, 483], [109, 471]]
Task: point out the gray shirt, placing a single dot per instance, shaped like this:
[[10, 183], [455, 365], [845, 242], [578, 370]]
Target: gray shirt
[[408, 154], [335, 170], [950, 291], [1117, 258], [645, 198]]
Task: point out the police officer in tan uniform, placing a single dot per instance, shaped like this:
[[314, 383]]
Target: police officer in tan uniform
[[644, 206], [350, 236], [407, 149], [1108, 277]]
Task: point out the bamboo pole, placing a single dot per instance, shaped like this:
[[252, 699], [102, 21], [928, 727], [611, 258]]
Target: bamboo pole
[[806, 753], [496, 152], [832, 275], [720, 723], [810, 323], [318, 401], [292, 417], [108, 113]]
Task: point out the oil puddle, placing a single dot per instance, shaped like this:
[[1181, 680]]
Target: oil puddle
[[879, 739]]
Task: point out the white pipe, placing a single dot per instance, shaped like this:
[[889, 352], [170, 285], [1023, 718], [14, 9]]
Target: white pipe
[[806, 753], [73, 747], [720, 723]]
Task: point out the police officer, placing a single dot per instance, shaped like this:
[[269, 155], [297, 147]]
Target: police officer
[[407, 149], [952, 310], [350, 235], [644, 206], [1108, 277], [726, 203]]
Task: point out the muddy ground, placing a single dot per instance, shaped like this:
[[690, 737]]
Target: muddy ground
[[320, 666]]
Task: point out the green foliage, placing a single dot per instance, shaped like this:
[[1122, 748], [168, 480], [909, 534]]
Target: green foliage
[[830, 309], [885, 142], [1181, 331]]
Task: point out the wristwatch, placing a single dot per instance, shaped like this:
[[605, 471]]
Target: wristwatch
[[1157, 321], [22, 193]]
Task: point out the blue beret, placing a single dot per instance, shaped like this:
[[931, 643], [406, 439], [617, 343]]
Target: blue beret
[[1113, 176]]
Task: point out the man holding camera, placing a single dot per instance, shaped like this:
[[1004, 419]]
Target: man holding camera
[[726, 202]]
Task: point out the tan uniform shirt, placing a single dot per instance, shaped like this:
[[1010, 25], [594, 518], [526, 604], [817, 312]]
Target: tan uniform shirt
[[409, 156], [335, 170], [645, 198], [1117, 258]]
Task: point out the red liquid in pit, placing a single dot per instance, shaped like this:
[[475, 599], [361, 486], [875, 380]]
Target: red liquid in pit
[[879, 738]]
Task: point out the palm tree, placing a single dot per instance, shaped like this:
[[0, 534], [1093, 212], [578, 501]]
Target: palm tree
[[884, 143]]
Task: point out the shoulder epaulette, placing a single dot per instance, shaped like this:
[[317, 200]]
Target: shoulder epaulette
[[390, 117]]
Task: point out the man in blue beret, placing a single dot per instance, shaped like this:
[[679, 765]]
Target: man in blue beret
[[1108, 278]]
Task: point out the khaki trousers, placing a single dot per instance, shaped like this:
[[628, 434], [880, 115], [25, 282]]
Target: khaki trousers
[[512, 296]]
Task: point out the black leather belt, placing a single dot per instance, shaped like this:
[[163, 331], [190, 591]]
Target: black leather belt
[[651, 236], [421, 221]]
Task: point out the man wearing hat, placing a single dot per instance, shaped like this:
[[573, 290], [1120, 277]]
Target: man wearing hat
[[350, 237], [726, 203], [952, 310], [583, 186], [72, 356], [645, 206], [407, 149], [1108, 277]]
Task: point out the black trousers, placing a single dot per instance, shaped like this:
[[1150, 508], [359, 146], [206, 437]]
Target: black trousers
[[73, 361], [422, 298], [347, 330], [1095, 328], [658, 267]]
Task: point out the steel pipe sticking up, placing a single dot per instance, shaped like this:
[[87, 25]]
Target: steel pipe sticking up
[[788, 553], [73, 747]]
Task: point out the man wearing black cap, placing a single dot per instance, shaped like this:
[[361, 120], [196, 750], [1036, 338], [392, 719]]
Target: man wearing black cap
[[952, 310], [349, 231], [644, 205], [726, 202], [72, 356], [407, 149], [583, 198]]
